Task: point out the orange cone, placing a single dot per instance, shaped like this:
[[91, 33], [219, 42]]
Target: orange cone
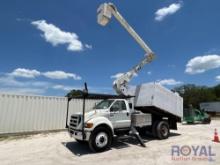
[[216, 138]]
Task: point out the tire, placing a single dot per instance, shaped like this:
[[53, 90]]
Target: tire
[[100, 139], [207, 120], [154, 128], [162, 130]]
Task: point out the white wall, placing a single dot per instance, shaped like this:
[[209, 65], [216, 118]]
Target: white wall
[[25, 113]]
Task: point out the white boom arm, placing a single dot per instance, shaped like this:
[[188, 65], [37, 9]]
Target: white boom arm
[[105, 12]]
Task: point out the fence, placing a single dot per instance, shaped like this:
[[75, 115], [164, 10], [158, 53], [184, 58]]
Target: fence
[[25, 113]]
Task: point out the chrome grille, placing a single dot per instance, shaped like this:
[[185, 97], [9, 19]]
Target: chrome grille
[[74, 121]]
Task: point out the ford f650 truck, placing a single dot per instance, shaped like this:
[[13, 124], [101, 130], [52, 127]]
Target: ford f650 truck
[[147, 106], [118, 115]]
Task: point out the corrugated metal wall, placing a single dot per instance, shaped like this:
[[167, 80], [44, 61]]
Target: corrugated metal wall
[[21, 113], [210, 106]]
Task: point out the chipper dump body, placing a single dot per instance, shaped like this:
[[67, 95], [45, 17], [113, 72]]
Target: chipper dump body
[[155, 99]]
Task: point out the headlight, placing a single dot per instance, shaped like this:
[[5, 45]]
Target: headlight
[[88, 125]]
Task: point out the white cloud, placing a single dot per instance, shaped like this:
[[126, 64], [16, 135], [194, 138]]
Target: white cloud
[[10, 81], [56, 36], [168, 82], [61, 75], [200, 64], [30, 91], [44, 84], [217, 78], [88, 46], [65, 88], [149, 72], [26, 73], [8, 84], [160, 14]]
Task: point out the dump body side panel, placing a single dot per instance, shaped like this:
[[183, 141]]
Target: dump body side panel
[[156, 99]]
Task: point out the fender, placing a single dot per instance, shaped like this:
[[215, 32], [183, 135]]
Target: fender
[[98, 121]]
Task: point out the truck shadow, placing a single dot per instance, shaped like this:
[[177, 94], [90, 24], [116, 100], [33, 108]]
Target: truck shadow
[[81, 149], [78, 149], [122, 142]]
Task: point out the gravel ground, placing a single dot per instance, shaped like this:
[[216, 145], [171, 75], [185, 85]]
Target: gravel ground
[[58, 148]]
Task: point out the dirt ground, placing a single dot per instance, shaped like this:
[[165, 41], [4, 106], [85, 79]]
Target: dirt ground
[[58, 148]]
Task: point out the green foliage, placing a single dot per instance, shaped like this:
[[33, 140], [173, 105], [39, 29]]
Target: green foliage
[[194, 95], [75, 93], [216, 90]]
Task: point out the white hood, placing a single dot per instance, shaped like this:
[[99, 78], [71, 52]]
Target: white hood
[[93, 113]]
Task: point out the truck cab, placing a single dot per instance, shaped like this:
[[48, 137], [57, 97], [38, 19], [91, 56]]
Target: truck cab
[[106, 116]]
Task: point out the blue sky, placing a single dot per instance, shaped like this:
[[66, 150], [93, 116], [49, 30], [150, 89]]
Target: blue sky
[[48, 47]]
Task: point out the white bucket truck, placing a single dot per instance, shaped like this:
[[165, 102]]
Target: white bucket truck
[[147, 106]]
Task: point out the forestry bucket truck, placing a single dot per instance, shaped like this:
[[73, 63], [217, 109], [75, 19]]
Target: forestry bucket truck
[[141, 108]]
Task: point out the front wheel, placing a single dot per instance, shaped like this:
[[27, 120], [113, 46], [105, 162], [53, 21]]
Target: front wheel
[[100, 139]]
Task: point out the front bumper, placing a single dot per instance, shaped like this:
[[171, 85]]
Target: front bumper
[[77, 134]]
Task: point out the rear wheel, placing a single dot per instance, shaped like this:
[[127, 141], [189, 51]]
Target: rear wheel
[[154, 128], [160, 129], [163, 130], [100, 139]]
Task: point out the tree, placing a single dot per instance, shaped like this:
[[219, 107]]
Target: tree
[[217, 91], [194, 95], [74, 93]]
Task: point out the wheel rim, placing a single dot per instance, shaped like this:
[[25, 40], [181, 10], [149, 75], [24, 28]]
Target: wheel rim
[[164, 130], [101, 139]]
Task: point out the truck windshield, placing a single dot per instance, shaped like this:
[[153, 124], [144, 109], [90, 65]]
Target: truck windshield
[[104, 104]]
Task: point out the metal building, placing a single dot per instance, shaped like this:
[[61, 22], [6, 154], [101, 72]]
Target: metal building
[[213, 108], [26, 113]]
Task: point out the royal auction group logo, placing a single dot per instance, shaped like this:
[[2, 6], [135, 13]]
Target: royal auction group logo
[[192, 152]]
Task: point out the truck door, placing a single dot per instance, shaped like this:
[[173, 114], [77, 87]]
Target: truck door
[[119, 114]]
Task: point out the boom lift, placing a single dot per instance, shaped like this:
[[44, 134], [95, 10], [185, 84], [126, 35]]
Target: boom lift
[[105, 12]]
